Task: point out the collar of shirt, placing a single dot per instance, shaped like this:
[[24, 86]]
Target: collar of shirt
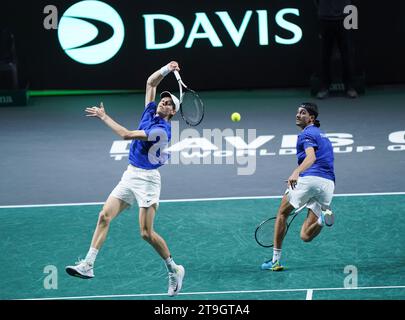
[[311, 125]]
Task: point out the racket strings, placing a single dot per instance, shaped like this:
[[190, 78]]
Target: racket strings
[[192, 108], [264, 234]]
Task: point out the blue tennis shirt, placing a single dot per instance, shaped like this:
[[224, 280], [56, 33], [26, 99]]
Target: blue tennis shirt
[[148, 154], [312, 136]]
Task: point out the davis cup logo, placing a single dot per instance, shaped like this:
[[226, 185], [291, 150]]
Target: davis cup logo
[[91, 32]]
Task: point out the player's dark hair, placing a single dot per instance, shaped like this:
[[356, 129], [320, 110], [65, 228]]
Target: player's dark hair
[[312, 109]]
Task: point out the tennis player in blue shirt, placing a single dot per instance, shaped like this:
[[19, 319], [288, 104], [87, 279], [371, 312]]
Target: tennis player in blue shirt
[[310, 185], [141, 181]]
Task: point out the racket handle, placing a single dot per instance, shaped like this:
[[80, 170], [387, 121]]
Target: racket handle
[[177, 75]]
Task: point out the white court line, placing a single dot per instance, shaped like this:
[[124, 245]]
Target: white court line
[[309, 294], [216, 292], [197, 199]]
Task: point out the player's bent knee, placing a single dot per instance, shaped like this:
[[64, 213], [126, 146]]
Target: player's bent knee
[[104, 217], [146, 235], [305, 237]]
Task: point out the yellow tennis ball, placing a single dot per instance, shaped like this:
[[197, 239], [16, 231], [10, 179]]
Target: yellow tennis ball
[[235, 117]]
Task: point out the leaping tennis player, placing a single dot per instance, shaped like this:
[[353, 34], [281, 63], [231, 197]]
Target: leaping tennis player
[[141, 180], [310, 185]]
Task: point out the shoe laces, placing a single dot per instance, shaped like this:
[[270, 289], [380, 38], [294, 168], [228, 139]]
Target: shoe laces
[[172, 279], [84, 264]]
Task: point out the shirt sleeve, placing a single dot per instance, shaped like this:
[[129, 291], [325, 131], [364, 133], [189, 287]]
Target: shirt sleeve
[[309, 140], [149, 112], [151, 107]]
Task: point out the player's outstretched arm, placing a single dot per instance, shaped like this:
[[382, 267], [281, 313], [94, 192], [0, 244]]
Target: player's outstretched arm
[[123, 132], [155, 79]]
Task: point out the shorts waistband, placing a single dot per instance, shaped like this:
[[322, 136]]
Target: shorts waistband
[[133, 168]]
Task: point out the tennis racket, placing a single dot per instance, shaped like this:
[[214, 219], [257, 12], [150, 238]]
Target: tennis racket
[[264, 234], [191, 106]]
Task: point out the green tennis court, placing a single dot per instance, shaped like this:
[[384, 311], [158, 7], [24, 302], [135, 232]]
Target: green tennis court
[[214, 240]]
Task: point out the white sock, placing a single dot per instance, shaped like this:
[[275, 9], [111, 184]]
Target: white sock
[[276, 254], [91, 255], [170, 264]]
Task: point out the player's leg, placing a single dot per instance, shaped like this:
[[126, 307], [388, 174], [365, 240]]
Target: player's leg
[[293, 199], [146, 188], [311, 227], [281, 221], [176, 272], [112, 207], [146, 218], [84, 268], [280, 226], [319, 213]]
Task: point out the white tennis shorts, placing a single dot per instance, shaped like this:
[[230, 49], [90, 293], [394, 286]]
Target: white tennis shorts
[[139, 184], [313, 192]]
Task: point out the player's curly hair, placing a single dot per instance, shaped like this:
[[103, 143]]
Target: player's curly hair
[[312, 109]]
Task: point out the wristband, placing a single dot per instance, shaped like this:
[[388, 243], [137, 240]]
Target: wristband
[[164, 71]]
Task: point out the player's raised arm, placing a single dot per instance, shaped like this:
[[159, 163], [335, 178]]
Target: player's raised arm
[[155, 79], [123, 132]]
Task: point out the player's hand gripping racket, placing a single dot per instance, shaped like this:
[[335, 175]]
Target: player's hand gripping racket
[[264, 234], [191, 106]]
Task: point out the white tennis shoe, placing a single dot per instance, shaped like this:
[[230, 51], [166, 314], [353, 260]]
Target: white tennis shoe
[[176, 281], [82, 269], [328, 218]]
